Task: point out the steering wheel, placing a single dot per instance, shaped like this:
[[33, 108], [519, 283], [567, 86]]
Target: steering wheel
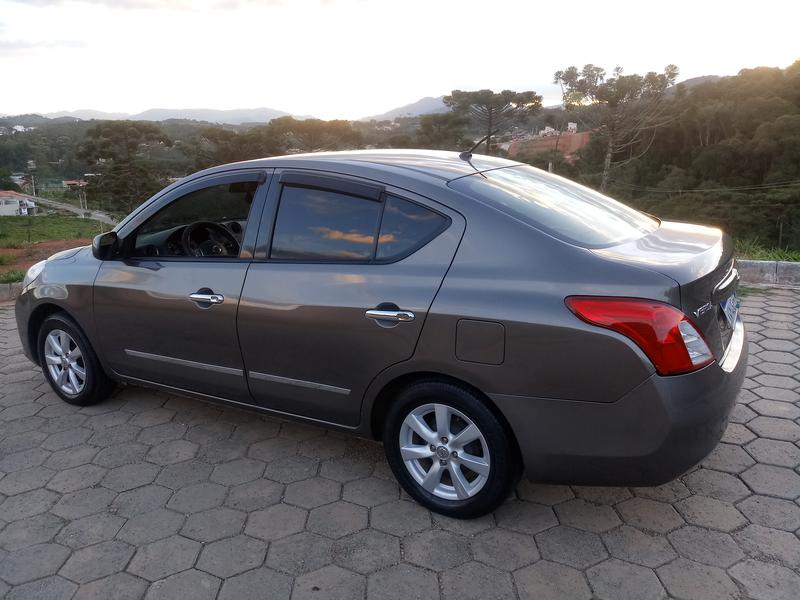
[[204, 238]]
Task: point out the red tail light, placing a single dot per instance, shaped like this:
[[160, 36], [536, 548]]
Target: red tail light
[[663, 332]]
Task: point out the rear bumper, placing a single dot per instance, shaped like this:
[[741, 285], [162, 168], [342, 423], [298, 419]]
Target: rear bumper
[[654, 433]]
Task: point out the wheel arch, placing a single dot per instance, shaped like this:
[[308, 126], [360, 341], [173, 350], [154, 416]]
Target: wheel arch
[[380, 405], [35, 320]]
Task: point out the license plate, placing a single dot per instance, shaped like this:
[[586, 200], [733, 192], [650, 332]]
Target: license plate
[[731, 309]]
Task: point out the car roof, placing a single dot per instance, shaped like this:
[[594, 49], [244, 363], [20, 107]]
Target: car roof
[[439, 164]]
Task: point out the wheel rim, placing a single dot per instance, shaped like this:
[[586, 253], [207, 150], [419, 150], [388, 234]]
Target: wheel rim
[[65, 362], [444, 451]]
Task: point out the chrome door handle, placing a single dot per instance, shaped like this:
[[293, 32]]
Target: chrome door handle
[[207, 298], [397, 316]]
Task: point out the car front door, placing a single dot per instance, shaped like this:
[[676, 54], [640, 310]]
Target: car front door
[[344, 274], [166, 309]]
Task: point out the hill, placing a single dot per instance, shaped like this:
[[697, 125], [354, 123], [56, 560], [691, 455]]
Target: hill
[[423, 106]]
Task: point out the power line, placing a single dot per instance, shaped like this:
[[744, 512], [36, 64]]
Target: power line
[[743, 188]]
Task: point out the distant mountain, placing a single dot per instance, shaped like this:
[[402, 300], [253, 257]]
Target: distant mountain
[[235, 116], [232, 117], [695, 81], [32, 120], [424, 106], [87, 115]]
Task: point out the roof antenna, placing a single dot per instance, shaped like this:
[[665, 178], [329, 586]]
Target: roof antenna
[[467, 154]]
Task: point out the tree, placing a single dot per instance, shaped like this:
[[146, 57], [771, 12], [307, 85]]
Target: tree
[[625, 109], [314, 135], [6, 183], [442, 131], [119, 150], [493, 111], [219, 145]]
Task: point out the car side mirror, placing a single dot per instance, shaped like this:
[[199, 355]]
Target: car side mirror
[[105, 245]]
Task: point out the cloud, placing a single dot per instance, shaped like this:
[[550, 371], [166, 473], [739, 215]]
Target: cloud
[[14, 46], [161, 4], [354, 237]]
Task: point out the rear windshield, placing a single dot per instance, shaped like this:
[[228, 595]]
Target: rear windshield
[[562, 208]]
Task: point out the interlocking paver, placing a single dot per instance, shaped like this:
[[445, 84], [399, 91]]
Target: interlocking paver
[[573, 547], [143, 495], [337, 519], [476, 580], [232, 556], [95, 562], [686, 579], [151, 526], [367, 551], [702, 545], [200, 585], [585, 515], [765, 581], [213, 524], [630, 544], [163, 558], [617, 580], [31, 531], [551, 581], [505, 549], [90, 530], [329, 583]]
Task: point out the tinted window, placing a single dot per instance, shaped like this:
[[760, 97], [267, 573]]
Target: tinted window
[[323, 225], [226, 205], [558, 206], [406, 226]]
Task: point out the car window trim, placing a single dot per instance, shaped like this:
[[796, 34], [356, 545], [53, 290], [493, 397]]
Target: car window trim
[[275, 199], [350, 187], [262, 176]]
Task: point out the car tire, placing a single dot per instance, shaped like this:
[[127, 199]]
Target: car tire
[[475, 477], [60, 338]]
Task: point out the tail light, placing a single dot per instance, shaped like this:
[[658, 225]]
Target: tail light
[[664, 333]]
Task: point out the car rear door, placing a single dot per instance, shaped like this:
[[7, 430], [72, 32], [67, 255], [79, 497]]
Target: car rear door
[[344, 274], [168, 317]]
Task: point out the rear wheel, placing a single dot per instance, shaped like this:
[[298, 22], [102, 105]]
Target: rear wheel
[[69, 363], [449, 450]]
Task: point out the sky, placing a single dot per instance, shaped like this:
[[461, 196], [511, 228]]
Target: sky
[[354, 58]]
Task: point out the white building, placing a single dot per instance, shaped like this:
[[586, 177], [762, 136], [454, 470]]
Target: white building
[[13, 204]]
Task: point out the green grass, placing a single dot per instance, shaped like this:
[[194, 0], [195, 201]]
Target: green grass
[[17, 231], [7, 259], [11, 276], [753, 249]]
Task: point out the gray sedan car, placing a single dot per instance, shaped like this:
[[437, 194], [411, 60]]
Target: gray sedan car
[[481, 317]]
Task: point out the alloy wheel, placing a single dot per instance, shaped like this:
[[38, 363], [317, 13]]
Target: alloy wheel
[[444, 451], [65, 362]]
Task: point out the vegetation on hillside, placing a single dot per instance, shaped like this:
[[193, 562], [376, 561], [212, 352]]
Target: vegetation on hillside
[[15, 232], [722, 151]]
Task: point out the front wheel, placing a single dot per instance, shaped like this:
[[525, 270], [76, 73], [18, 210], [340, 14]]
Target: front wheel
[[70, 364], [449, 451]]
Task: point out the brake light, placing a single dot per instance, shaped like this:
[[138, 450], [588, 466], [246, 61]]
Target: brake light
[[663, 332]]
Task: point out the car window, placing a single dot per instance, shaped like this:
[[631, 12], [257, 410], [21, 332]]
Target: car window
[[317, 224], [562, 208], [208, 223], [406, 226]]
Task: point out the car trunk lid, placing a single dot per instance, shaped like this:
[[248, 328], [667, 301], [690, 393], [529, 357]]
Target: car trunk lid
[[700, 260]]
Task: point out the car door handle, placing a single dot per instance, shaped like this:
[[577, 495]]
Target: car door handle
[[207, 298], [397, 316]]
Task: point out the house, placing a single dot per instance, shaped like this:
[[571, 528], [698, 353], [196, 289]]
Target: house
[[13, 204]]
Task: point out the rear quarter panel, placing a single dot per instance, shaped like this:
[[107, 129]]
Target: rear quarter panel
[[510, 273]]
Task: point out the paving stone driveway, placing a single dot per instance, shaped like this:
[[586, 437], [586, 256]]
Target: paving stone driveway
[[154, 496]]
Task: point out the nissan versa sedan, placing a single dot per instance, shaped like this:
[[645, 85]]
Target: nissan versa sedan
[[481, 317]]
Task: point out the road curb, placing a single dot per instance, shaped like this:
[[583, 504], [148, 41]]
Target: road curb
[[775, 272], [9, 291]]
